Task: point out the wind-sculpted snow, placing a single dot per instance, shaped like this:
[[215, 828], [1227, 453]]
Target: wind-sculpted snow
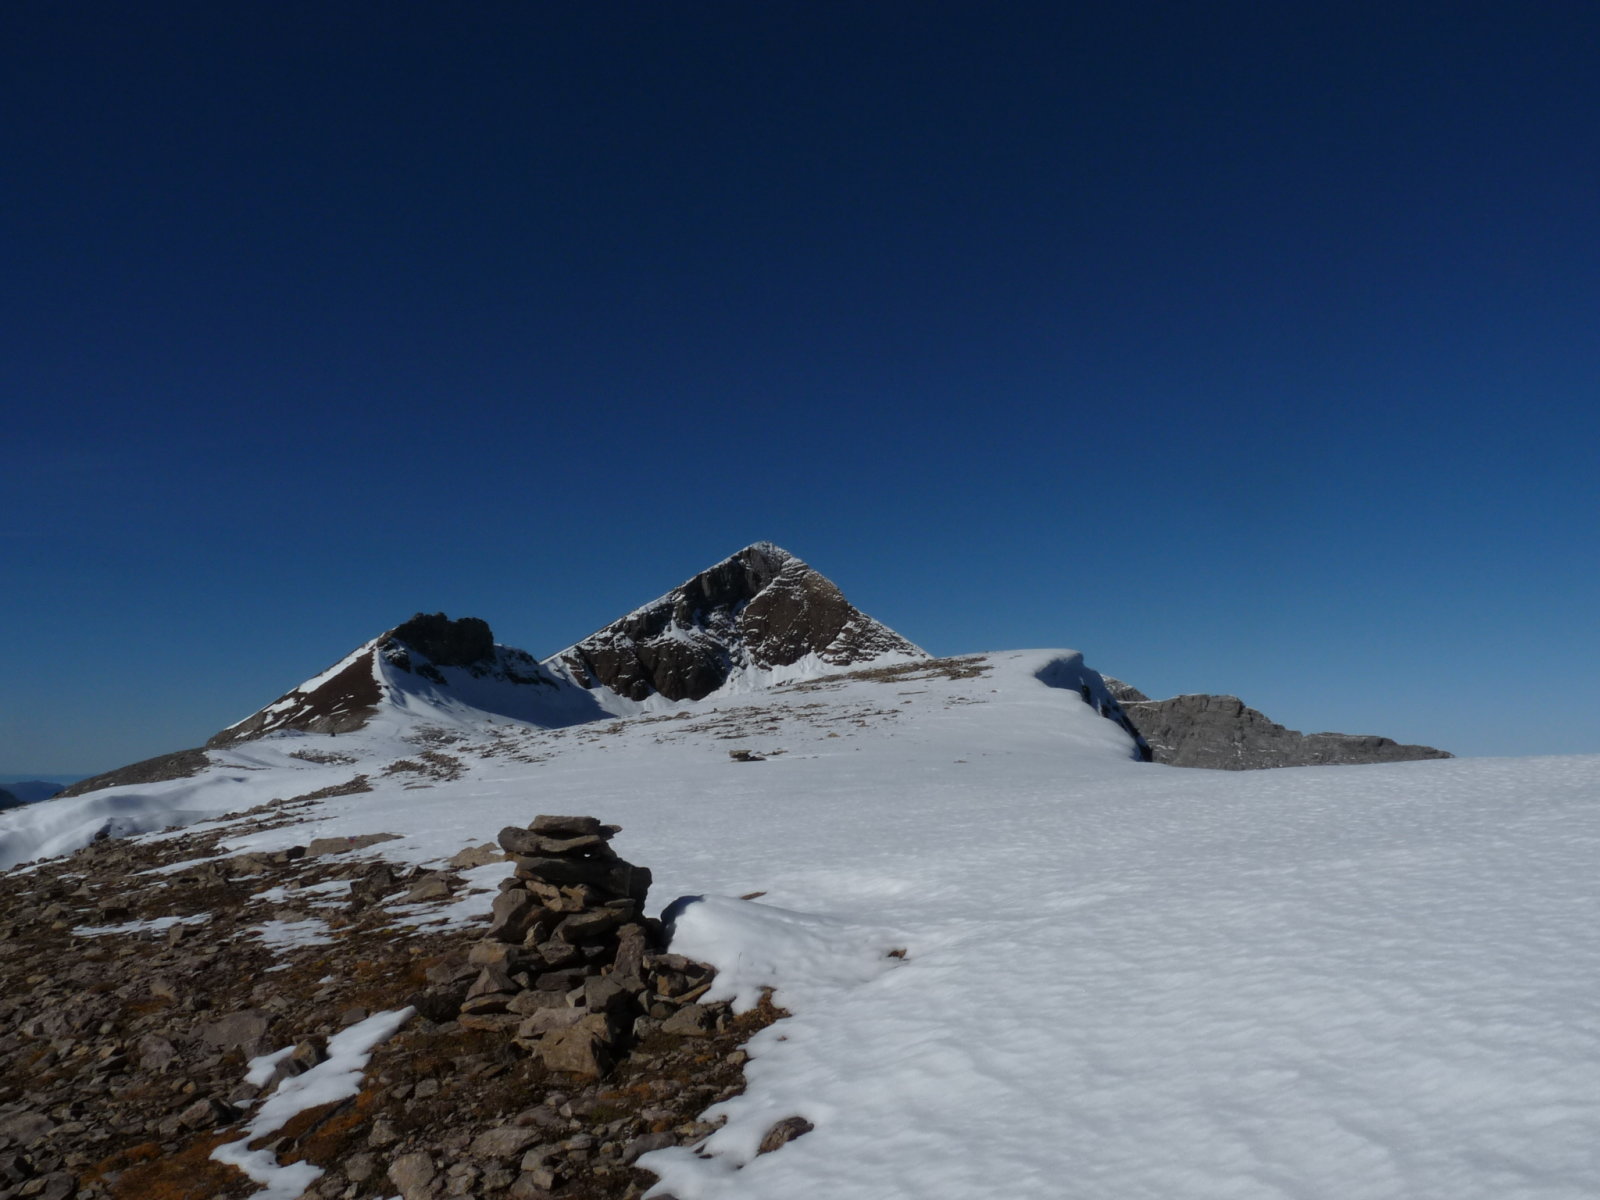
[[63, 825], [1120, 981], [1321, 983]]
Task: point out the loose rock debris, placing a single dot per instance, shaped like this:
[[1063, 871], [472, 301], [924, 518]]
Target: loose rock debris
[[543, 1058]]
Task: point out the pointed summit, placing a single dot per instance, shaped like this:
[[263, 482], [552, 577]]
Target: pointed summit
[[755, 613]]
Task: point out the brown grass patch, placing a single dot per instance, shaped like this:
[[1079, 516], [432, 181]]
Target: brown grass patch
[[140, 1173], [330, 1133]]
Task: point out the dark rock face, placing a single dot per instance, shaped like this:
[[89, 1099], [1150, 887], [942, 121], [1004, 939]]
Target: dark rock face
[[761, 608], [1223, 733], [447, 643], [7, 800], [179, 765]]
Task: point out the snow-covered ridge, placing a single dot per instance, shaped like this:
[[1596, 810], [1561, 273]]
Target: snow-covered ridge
[[420, 717], [757, 619]]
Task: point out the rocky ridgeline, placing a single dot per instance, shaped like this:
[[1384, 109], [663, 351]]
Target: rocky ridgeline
[[571, 968], [1223, 733]]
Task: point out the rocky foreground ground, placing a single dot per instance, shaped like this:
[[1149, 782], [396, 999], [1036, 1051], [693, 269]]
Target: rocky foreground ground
[[549, 1049]]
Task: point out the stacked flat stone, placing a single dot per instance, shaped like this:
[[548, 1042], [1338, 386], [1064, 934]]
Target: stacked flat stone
[[564, 961]]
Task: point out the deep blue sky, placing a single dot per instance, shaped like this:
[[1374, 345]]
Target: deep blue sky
[[1245, 347]]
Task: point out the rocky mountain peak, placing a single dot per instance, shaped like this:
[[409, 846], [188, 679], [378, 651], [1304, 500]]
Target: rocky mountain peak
[[344, 697], [761, 608]]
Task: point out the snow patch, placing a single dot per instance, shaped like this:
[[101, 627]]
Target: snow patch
[[291, 935], [260, 1068], [337, 1078], [153, 925], [756, 947]]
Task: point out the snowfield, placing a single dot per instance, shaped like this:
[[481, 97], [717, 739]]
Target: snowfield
[[1119, 981]]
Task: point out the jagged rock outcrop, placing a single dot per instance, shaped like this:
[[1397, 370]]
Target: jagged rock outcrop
[[426, 647], [463, 642], [1125, 693], [1223, 733], [762, 608]]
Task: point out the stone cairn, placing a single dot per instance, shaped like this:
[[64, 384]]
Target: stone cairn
[[570, 966]]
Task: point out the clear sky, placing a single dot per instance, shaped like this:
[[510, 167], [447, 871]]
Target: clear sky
[[1247, 348]]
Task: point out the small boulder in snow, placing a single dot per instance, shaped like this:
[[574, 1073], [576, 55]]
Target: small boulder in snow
[[784, 1132], [476, 856]]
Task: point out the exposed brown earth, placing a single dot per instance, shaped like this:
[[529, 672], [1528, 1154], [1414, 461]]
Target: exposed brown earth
[[337, 705]]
